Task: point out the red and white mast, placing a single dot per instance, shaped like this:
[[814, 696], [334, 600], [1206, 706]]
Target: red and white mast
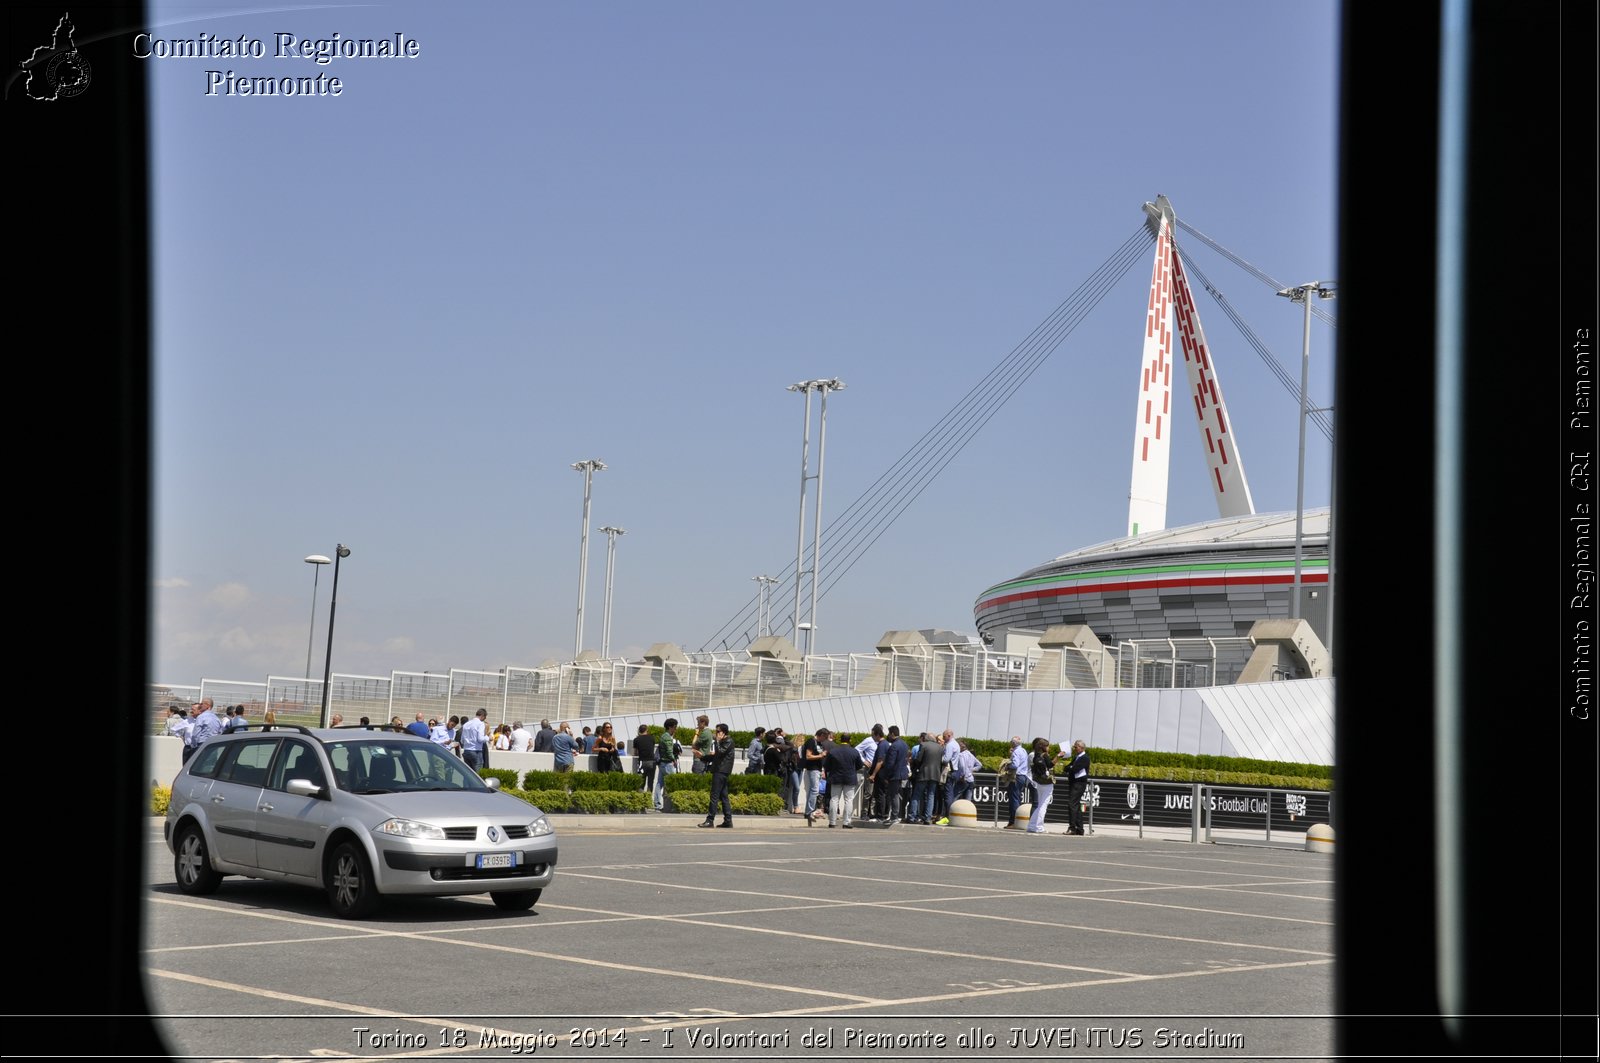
[[1171, 310]]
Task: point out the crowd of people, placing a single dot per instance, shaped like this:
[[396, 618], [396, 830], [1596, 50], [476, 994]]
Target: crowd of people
[[822, 774]]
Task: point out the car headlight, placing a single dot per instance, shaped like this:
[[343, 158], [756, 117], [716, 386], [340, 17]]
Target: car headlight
[[410, 828], [540, 827]]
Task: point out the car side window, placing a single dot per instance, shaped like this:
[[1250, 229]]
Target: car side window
[[248, 765], [206, 761], [297, 761], [339, 757]]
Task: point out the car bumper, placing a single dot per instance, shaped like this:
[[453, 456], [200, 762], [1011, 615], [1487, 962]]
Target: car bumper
[[407, 869]]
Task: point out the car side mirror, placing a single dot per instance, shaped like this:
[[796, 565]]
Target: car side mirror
[[305, 788], [492, 782]]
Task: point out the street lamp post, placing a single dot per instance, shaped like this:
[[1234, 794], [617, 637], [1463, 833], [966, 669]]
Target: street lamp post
[[339, 554], [316, 561], [611, 560], [588, 468], [1302, 294]]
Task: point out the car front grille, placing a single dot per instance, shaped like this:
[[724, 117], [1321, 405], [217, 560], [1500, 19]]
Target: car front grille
[[461, 834], [517, 830], [461, 874]]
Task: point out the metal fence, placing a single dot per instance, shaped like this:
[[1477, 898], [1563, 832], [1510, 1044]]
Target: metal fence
[[703, 681]]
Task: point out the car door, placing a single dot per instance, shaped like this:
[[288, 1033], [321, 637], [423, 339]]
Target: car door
[[290, 829], [234, 797]]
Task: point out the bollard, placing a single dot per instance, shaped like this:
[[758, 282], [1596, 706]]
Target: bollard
[[963, 813], [1319, 838]]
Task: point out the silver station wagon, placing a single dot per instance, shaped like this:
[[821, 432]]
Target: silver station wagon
[[356, 812]]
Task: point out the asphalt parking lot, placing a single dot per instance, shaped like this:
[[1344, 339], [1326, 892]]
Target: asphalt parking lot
[[773, 940]]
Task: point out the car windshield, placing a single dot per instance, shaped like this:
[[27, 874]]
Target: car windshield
[[378, 766]]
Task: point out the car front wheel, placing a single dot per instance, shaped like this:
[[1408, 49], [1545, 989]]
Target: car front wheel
[[351, 889], [515, 900], [191, 863]]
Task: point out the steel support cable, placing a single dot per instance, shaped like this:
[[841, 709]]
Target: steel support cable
[[1274, 284], [846, 547], [1291, 384], [975, 396], [934, 457], [915, 473], [835, 575], [935, 461]]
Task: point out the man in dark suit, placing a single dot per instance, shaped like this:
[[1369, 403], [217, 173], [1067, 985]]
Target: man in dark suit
[[890, 769], [719, 762], [1077, 781]]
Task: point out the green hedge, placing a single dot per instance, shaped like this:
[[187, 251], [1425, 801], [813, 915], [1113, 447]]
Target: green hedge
[[507, 776], [547, 800], [1220, 778], [738, 783], [991, 751], [581, 780], [604, 780], [696, 802], [545, 780], [598, 801]]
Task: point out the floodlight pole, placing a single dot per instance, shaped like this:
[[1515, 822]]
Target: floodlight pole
[[588, 468], [823, 386], [1302, 294], [763, 608], [611, 560], [800, 533]]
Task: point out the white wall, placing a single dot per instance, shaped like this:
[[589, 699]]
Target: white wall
[[1265, 721]]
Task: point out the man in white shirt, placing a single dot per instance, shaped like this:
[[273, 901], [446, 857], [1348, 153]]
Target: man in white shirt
[[1018, 762], [521, 738], [969, 764], [474, 741], [868, 748], [950, 762]]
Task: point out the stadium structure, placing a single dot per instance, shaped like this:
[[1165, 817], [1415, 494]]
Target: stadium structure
[[1165, 639], [1213, 580], [1209, 580]]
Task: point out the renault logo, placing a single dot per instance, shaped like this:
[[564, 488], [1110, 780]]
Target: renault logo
[[494, 835]]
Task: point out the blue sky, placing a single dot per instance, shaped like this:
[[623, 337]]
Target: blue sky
[[618, 230]]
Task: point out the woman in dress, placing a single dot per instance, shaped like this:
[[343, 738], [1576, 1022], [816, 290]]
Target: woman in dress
[[605, 750]]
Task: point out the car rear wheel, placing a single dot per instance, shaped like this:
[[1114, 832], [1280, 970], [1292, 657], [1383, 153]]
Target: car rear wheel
[[515, 900], [191, 863], [351, 889]]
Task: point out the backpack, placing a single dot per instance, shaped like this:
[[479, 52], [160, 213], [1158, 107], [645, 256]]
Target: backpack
[[1040, 767]]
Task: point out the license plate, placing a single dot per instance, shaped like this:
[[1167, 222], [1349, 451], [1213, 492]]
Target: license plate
[[496, 860]]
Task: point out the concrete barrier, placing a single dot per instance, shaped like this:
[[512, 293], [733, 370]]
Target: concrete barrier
[[963, 813], [1319, 838]]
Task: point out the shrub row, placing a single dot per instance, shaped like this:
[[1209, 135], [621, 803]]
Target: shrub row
[[697, 802], [593, 801], [619, 781], [1207, 775], [738, 783], [993, 750]]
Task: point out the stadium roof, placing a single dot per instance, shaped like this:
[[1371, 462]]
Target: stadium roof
[[1254, 530]]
